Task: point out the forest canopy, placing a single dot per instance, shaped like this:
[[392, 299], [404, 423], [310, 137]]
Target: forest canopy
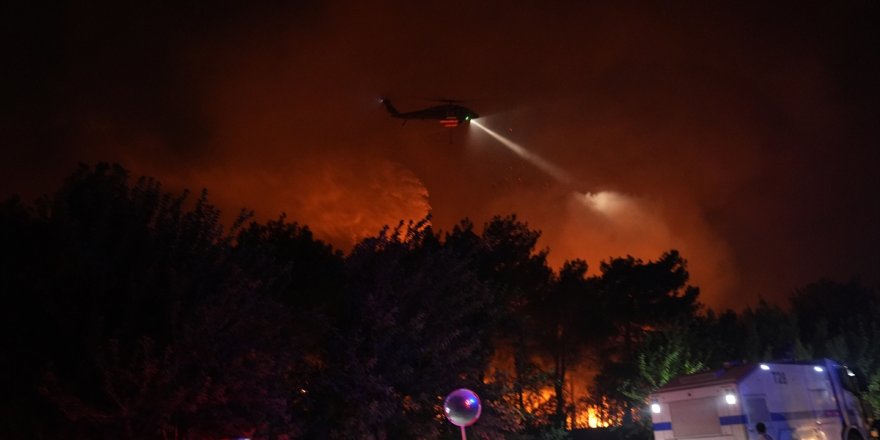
[[132, 312]]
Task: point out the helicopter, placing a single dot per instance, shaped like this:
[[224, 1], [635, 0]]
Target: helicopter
[[450, 114]]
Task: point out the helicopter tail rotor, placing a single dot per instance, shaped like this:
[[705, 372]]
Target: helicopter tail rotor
[[389, 106]]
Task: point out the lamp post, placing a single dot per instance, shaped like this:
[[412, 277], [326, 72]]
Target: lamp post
[[462, 408]]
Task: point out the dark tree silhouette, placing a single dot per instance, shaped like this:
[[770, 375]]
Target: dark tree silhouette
[[840, 321], [571, 319], [770, 333], [413, 330], [639, 297], [507, 261], [144, 325], [133, 313]]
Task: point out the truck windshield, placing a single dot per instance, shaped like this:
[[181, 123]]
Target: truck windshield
[[847, 380]]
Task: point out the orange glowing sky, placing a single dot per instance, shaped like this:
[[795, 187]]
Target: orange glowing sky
[[744, 137]]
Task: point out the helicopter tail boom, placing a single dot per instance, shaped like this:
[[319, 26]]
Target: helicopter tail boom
[[389, 107]]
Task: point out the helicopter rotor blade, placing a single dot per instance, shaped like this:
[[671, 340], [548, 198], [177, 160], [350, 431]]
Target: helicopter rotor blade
[[447, 100]]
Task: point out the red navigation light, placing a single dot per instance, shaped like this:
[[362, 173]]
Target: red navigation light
[[449, 121]]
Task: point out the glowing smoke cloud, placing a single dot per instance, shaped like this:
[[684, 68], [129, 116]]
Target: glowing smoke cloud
[[606, 202], [536, 160], [615, 220]]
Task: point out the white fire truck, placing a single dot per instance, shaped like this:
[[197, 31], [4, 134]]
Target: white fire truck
[[815, 400]]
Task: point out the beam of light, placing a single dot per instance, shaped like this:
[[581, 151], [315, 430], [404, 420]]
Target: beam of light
[[547, 167]]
